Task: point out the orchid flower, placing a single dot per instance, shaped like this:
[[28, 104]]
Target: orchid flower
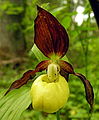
[[50, 91]]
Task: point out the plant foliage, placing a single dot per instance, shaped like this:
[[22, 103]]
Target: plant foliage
[[13, 104]]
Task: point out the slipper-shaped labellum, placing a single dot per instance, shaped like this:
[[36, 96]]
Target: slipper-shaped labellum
[[50, 91], [49, 96]]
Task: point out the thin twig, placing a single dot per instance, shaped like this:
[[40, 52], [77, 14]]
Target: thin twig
[[14, 60]]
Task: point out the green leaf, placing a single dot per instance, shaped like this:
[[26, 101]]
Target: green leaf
[[38, 54], [65, 58], [13, 104], [56, 11], [14, 10], [85, 28], [66, 22]]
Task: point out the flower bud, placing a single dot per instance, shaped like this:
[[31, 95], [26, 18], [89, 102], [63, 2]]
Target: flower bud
[[49, 96]]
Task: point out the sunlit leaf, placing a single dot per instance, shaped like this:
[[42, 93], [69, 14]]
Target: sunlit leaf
[[86, 28], [39, 55], [56, 11], [13, 104], [65, 58], [66, 22]]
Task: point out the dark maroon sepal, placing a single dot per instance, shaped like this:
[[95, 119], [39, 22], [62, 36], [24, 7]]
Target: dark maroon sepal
[[25, 78], [28, 75], [66, 67], [64, 74], [50, 36], [88, 89], [43, 65]]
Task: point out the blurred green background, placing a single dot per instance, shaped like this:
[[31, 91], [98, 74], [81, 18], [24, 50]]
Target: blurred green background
[[17, 56]]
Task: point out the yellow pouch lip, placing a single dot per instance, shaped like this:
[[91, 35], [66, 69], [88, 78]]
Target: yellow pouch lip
[[49, 97]]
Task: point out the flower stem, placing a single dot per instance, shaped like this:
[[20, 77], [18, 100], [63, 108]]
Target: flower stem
[[58, 115]]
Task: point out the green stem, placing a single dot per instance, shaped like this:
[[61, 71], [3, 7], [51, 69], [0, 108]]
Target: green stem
[[58, 115], [86, 58]]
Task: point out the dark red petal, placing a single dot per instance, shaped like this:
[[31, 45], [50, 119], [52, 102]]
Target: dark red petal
[[28, 75], [88, 89], [64, 74], [67, 67], [23, 80], [50, 35], [43, 65]]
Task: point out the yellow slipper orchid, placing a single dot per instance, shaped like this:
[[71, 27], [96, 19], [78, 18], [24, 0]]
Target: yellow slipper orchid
[[50, 91]]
